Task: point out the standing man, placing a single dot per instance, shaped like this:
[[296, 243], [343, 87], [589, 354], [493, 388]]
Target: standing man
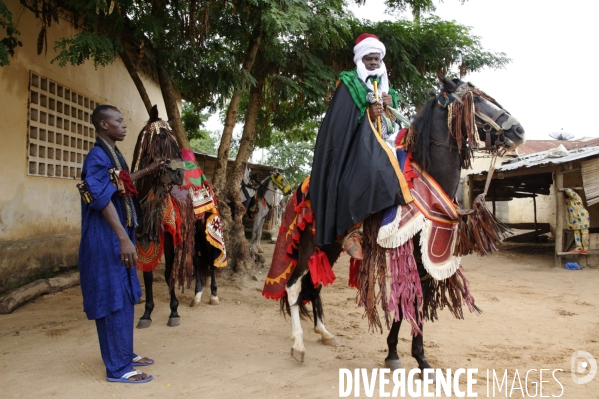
[[354, 172], [107, 253]]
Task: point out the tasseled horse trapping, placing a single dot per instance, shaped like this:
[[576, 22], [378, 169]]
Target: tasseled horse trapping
[[406, 288], [451, 292], [373, 270], [479, 231], [183, 263]]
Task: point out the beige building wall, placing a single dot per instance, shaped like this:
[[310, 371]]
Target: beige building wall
[[40, 216]]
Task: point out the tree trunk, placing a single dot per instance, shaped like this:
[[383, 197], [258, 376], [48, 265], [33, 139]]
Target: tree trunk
[[240, 255], [137, 80], [220, 170], [172, 109]]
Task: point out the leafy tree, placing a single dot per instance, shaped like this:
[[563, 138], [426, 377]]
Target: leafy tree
[[193, 121], [10, 42], [207, 145], [292, 156]]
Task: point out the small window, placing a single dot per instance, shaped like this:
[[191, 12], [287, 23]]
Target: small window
[[60, 132]]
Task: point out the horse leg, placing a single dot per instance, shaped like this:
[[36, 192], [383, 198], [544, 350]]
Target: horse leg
[[259, 232], [255, 228], [319, 328], [169, 259], [145, 320], [417, 341], [197, 299], [293, 293], [392, 359], [213, 294]]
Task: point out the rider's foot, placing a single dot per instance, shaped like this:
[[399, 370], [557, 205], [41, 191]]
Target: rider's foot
[[353, 246]]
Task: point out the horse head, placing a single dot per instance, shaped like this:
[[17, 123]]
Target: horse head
[[278, 179], [156, 142], [496, 127]]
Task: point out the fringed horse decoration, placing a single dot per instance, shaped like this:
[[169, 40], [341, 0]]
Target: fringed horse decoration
[[180, 219], [424, 239], [268, 196]]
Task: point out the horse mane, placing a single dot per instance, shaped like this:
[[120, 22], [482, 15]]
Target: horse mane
[[261, 190], [460, 122], [150, 147], [418, 138]]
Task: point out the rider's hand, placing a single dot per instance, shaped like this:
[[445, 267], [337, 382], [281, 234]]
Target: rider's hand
[[376, 110], [387, 99]]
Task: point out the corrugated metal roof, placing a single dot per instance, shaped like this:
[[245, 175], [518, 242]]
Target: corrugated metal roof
[[540, 158], [534, 146]]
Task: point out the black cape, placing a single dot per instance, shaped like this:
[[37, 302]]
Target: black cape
[[352, 176]]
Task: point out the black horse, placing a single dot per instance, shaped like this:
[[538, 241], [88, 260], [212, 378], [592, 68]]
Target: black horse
[[438, 152], [187, 253]]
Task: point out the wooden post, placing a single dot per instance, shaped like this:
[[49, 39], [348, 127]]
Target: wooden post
[[468, 190], [560, 205], [494, 196], [534, 204]]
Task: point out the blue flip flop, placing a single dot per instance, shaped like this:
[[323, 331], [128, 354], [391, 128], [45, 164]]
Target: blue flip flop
[[136, 359], [125, 378]]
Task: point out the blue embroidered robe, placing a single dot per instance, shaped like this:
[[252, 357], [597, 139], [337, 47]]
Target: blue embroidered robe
[[105, 281]]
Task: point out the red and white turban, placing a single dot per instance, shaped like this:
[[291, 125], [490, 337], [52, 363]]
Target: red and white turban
[[368, 43]]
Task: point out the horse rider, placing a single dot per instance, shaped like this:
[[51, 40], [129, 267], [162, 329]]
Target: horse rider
[[352, 175]]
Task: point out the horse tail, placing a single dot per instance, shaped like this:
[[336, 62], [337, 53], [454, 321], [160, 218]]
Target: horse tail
[[285, 306]]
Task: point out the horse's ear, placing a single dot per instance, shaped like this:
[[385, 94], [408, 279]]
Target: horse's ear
[[154, 114], [447, 84]]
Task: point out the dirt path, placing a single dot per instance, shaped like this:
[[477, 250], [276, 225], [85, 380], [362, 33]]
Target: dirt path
[[534, 317]]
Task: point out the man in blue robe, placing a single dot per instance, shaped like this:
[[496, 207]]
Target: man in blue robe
[[107, 254]]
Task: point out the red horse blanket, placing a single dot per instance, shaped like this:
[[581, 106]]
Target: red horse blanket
[[432, 214], [298, 217]]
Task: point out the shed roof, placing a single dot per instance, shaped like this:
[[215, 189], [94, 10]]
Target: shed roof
[[541, 158], [534, 146]]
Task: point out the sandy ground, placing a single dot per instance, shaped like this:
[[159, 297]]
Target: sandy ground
[[534, 317]]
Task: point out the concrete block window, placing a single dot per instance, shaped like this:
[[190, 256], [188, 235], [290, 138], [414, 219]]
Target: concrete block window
[[60, 132]]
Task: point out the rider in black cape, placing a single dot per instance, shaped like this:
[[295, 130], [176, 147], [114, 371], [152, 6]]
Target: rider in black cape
[[353, 172]]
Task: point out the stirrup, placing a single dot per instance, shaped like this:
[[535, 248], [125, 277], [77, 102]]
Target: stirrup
[[354, 249]]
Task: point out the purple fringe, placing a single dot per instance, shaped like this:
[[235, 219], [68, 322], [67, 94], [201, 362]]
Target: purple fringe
[[406, 289]]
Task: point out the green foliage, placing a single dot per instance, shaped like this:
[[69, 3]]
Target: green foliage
[[193, 121], [291, 155], [206, 144], [82, 47], [10, 42]]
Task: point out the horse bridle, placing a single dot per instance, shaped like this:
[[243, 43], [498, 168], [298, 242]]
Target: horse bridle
[[488, 124]]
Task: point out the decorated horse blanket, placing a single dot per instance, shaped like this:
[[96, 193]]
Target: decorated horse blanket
[[297, 218], [204, 206], [194, 200], [432, 214]]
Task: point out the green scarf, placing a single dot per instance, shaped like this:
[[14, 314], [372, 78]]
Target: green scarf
[[358, 91]]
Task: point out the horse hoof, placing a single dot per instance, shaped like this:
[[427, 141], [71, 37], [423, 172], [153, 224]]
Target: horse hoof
[[214, 300], [297, 355], [194, 302], [393, 364], [144, 323], [329, 341], [173, 321], [260, 250], [197, 299]]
